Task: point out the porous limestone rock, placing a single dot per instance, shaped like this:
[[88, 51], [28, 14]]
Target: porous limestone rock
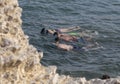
[[20, 61]]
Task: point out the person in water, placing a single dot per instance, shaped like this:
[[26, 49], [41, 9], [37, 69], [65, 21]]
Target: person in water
[[66, 46], [60, 30], [74, 47], [65, 37], [69, 38], [43, 31]]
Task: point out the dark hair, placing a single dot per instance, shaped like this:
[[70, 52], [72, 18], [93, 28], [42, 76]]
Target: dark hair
[[57, 39], [56, 33], [43, 31], [46, 32]]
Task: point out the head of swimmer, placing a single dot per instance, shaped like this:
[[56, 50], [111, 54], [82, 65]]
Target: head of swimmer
[[44, 31], [57, 40], [56, 34]]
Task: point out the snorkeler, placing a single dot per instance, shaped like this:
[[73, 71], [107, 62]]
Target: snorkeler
[[70, 38], [66, 46], [43, 31], [60, 30], [62, 46]]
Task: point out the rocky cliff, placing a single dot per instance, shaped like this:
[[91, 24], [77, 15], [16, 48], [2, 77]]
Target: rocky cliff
[[20, 61]]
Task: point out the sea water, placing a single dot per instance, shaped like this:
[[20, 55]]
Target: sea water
[[102, 16]]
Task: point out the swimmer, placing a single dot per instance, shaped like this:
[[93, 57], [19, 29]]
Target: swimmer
[[72, 47], [65, 37], [62, 46], [43, 31], [60, 30], [70, 38], [66, 46]]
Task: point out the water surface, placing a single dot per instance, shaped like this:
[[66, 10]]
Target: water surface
[[98, 15]]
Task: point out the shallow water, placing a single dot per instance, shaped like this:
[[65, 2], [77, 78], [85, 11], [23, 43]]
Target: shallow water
[[98, 15]]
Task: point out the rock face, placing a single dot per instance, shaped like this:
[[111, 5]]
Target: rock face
[[20, 61]]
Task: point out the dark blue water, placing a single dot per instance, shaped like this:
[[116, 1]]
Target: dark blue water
[[99, 15]]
